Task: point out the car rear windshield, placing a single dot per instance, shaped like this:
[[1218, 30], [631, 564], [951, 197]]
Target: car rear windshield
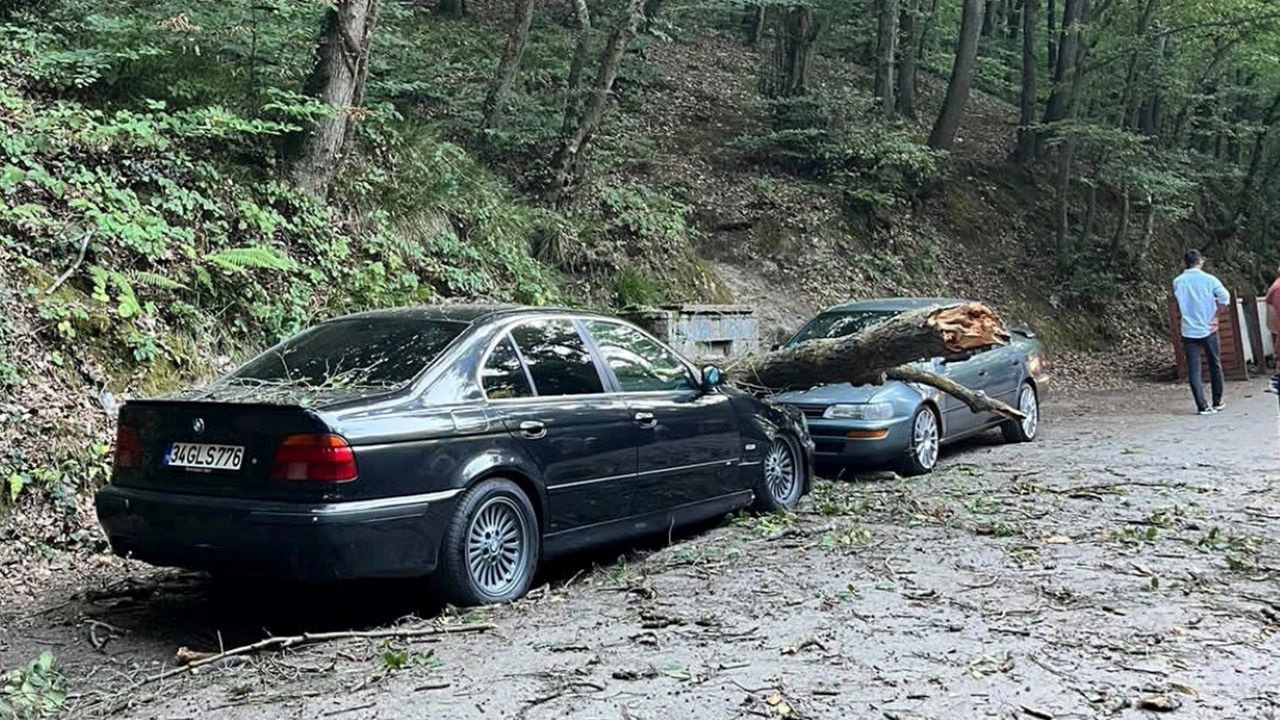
[[360, 352], [839, 324]]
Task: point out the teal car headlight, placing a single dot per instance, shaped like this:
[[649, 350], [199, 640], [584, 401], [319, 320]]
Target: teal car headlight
[[860, 411]]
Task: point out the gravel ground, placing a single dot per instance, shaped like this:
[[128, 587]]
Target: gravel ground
[[1128, 561]]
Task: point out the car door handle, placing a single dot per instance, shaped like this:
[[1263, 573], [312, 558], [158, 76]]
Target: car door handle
[[646, 419], [533, 429], [982, 373]]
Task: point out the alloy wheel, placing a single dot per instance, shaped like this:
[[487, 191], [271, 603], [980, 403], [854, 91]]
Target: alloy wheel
[[924, 439], [496, 550], [1030, 407], [781, 472]]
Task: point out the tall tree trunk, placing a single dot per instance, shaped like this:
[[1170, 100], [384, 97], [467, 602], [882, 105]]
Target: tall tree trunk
[[1148, 229], [509, 62], [651, 10], [569, 161], [943, 135], [792, 55], [1062, 187], [926, 25], [886, 48], [1052, 36], [1090, 214], [581, 51], [1141, 26], [989, 18], [907, 65], [1026, 150], [1013, 22], [338, 79], [1122, 227], [753, 23], [1070, 44], [455, 8], [1245, 201]]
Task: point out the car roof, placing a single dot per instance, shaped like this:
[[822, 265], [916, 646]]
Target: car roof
[[459, 312], [901, 304]]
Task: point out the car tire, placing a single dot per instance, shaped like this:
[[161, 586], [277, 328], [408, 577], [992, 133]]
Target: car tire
[[926, 439], [492, 546], [1021, 431], [782, 478]]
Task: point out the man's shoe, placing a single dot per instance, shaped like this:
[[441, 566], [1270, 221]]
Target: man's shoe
[[1219, 407], [1207, 411]]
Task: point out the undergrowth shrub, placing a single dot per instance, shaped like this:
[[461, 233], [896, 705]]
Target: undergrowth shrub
[[877, 165]]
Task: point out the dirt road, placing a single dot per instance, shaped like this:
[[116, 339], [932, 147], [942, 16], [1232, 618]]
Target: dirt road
[[1129, 559]]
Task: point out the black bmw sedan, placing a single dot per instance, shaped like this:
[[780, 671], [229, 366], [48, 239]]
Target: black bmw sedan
[[465, 442]]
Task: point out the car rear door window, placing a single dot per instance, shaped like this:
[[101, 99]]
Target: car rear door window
[[503, 374], [558, 359], [638, 362]]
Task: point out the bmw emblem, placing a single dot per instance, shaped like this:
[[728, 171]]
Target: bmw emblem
[[197, 425]]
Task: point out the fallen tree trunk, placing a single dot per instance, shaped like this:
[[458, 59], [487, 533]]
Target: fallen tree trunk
[[885, 352]]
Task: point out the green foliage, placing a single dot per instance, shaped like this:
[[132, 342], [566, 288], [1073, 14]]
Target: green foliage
[[636, 289], [876, 164], [33, 693]]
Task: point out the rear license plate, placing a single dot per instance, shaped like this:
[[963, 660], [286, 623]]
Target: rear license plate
[[204, 457]]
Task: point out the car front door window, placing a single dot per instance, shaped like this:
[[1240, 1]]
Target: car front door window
[[638, 362]]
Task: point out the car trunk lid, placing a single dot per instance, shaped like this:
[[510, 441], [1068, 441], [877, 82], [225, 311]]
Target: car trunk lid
[[217, 448]]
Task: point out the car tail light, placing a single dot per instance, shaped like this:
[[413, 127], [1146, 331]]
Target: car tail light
[[128, 448], [314, 458]]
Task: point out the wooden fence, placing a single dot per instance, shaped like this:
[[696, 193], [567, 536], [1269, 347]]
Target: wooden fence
[[1230, 334]]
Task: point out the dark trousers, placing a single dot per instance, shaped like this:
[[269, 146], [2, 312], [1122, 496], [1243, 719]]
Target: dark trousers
[[1195, 349]]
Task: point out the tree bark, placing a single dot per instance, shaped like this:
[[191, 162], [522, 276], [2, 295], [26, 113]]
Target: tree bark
[[792, 55], [944, 129], [989, 18], [926, 25], [886, 48], [1090, 214], [1026, 148], [906, 101], [883, 352], [455, 8], [509, 62], [569, 161], [1062, 191], [651, 10], [581, 51], [1051, 17], [1059, 105], [1141, 27], [1122, 226], [1014, 22], [753, 23], [337, 80]]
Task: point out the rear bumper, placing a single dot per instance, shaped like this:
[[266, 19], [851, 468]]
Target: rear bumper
[[386, 537]]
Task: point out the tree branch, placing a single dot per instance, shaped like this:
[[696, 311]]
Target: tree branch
[[977, 401]]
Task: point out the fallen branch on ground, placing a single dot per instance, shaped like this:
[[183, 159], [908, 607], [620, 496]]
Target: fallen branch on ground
[[284, 642]]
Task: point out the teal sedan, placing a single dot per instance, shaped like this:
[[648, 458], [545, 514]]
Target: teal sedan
[[904, 425]]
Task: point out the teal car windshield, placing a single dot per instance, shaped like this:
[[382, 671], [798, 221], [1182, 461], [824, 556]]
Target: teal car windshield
[[840, 324]]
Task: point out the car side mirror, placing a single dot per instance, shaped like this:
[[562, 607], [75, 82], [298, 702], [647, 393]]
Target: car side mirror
[[711, 377]]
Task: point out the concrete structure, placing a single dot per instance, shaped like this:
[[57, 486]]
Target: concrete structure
[[702, 332]]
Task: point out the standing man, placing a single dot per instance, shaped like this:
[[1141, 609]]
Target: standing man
[[1199, 296], [1273, 324]]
